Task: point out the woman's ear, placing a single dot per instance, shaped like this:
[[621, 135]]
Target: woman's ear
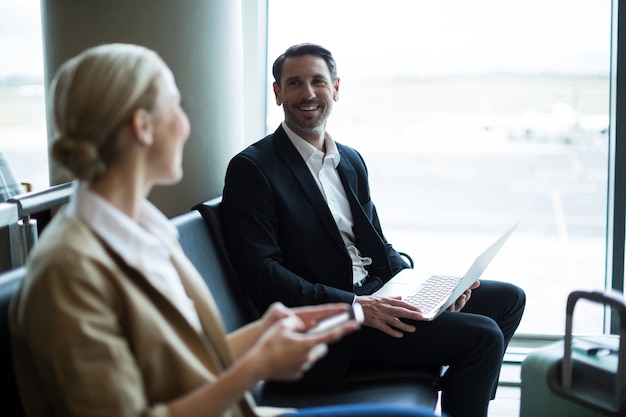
[[141, 125]]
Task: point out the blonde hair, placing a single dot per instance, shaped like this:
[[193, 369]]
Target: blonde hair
[[93, 95]]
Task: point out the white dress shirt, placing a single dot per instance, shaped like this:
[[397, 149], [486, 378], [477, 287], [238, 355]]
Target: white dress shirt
[[323, 168], [143, 245]]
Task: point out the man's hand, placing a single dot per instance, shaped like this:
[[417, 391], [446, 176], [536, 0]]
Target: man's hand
[[385, 314], [463, 299]]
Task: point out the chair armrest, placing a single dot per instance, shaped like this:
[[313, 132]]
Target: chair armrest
[[408, 258]]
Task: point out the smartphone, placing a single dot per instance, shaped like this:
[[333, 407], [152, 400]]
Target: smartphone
[[327, 323]]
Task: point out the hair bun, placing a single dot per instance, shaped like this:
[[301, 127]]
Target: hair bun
[[79, 156]]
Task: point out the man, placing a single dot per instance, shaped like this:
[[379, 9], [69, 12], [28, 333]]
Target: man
[[301, 228]]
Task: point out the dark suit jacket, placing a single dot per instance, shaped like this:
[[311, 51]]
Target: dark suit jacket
[[283, 240]]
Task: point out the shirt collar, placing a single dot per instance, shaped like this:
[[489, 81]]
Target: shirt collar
[[134, 241], [307, 151]]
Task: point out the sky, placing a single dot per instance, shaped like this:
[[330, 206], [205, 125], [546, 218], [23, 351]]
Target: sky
[[402, 37]]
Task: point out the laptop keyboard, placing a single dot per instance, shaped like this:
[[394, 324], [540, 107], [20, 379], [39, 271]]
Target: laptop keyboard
[[436, 289]]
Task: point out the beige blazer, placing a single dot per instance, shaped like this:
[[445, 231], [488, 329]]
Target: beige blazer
[[91, 336]]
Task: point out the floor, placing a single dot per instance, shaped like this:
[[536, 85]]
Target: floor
[[507, 401]]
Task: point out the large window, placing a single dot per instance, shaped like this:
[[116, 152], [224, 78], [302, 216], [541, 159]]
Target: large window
[[23, 140], [471, 116]]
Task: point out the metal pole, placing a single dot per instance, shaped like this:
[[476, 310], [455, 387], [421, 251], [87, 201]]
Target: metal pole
[[27, 232]]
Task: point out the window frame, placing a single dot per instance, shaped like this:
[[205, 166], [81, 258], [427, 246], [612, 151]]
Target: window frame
[[616, 210]]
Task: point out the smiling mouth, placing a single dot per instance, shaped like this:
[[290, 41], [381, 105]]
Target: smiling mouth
[[308, 107]]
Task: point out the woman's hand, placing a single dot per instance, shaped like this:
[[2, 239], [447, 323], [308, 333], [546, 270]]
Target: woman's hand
[[285, 351], [303, 317], [277, 311]]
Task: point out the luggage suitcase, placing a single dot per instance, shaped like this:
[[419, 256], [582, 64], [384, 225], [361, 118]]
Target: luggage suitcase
[[578, 377]]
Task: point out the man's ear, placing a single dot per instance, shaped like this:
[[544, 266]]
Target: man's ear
[[277, 93], [141, 124], [336, 88]]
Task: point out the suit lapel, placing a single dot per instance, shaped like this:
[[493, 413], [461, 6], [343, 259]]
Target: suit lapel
[[368, 240], [290, 156]]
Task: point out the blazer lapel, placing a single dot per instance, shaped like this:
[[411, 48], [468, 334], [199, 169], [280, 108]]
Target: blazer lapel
[[205, 306], [369, 242], [290, 156], [214, 352], [209, 318], [172, 312]]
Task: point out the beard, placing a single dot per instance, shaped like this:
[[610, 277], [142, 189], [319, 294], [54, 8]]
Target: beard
[[307, 127]]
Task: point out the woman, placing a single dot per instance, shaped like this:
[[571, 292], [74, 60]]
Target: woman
[[113, 320]]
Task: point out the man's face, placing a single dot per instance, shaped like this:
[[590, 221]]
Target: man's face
[[306, 93]]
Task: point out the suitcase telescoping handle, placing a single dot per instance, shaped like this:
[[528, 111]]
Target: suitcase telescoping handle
[[610, 298]]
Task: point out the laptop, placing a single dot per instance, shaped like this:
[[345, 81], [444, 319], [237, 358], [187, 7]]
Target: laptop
[[439, 292]]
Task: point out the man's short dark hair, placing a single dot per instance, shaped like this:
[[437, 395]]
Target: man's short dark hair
[[304, 49]]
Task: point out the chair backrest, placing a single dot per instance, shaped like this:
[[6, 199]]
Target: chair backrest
[[204, 249], [11, 404]]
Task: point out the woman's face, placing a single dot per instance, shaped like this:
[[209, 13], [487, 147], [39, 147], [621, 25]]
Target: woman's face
[[170, 132]]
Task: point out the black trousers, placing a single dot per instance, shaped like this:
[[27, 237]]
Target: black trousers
[[471, 343]]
